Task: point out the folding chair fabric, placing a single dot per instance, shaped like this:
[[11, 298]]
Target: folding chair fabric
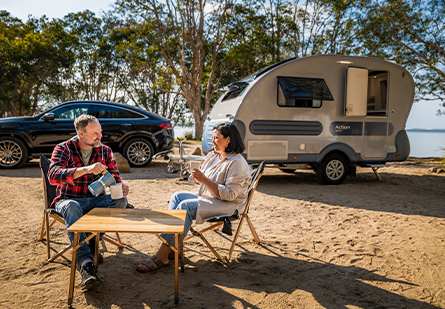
[[51, 216], [216, 223]]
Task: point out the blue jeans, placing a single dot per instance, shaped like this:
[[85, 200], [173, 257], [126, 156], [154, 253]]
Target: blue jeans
[[183, 201], [73, 208]]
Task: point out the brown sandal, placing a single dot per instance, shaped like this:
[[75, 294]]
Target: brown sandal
[[150, 266]]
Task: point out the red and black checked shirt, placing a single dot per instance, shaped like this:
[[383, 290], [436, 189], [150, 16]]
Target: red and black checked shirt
[[66, 158]]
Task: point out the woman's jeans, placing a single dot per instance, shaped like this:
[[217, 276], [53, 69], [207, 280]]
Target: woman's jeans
[[183, 201], [72, 209]]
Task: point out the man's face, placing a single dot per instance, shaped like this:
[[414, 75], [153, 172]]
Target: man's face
[[92, 134]]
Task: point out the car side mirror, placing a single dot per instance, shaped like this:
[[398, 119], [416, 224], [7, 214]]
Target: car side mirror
[[48, 116]]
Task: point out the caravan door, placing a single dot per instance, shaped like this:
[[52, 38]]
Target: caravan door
[[375, 127], [375, 138]]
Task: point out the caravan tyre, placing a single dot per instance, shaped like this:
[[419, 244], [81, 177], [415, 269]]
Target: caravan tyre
[[333, 169]]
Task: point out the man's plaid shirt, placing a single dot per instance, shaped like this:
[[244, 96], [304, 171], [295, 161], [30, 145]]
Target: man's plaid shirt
[[66, 158]]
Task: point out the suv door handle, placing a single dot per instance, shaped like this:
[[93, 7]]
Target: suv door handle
[[126, 125]]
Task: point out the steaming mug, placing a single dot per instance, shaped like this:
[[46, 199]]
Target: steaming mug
[[116, 191], [193, 165]]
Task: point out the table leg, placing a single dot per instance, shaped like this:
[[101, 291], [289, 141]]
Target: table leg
[[176, 270], [96, 252], [73, 269], [181, 249]]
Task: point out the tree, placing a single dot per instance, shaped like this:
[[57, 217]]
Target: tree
[[182, 27], [148, 83], [32, 54], [411, 32]]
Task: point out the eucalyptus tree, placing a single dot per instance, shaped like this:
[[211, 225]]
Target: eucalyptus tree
[[411, 32], [90, 78], [322, 27], [182, 28], [31, 54], [148, 81]]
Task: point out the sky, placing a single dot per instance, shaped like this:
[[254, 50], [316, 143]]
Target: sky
[[423, 114]]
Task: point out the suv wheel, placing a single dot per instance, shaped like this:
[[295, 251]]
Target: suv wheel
[[333, 169], [13, 153], [138, 152]]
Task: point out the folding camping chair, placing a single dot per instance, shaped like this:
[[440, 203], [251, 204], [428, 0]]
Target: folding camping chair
[[216, 223], [49, 193]]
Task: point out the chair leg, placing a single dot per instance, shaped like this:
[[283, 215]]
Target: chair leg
[[47, 235], [211, 227], [60, 253], [199, 234], [42, 230], [118, 238], [112, 241], [235, 238], [252, 229]]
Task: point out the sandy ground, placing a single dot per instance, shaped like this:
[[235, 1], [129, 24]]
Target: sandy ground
[[363, 244]]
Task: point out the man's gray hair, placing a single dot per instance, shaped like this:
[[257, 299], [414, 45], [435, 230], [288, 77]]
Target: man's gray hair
[[82, 121]]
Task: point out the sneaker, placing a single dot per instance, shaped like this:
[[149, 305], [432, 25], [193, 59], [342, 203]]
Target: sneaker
[[92, 246], [89, 276]]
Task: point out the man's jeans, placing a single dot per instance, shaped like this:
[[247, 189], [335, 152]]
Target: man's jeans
[[185, 201], [73, 208]]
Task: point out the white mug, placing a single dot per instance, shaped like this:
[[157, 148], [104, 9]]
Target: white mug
[[193, 165], [116, 191]]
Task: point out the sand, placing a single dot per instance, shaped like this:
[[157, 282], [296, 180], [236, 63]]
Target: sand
[[363, 244]]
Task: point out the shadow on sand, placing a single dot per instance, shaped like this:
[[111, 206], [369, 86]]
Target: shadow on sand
[[253, 280]]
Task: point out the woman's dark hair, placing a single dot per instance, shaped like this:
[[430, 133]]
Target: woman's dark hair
[[228, 129]]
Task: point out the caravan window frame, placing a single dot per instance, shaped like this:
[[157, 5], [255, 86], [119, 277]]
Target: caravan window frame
[[303, 100]]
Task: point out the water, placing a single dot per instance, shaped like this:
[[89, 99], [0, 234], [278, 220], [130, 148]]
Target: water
[[426, 144], [181, 131], [423, 144]]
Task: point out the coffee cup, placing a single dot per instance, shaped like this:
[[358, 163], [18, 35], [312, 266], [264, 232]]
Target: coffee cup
[[193, 165], [116, 191]]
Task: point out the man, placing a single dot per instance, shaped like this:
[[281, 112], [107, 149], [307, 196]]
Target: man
[[75, 164]]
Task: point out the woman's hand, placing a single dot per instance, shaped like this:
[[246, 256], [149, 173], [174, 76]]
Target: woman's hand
[[199, 177]]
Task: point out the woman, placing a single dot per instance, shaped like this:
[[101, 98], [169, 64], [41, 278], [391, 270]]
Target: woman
[[224, 178]]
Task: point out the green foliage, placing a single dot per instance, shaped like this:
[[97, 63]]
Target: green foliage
[[167, 57], [412, 33]]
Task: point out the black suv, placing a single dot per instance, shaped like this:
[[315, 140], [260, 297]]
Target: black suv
[[135, 133]]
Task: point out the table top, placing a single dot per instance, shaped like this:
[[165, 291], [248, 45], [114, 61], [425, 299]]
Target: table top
[[131, 221]]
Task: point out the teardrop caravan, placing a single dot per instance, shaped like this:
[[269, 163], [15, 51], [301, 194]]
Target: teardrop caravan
[[328, 112]]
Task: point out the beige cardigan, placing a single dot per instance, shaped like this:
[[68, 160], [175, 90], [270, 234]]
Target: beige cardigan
[[232, 174]]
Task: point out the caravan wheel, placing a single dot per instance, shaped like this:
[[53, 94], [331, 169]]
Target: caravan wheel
[[333, 169]]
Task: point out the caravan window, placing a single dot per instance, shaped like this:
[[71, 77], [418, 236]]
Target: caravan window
[[377, 93], [302, 92], [235, 90]]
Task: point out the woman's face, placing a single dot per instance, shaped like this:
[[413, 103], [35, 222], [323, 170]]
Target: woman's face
[[220, 142]]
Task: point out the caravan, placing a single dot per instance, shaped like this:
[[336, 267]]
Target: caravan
[[327, 112]]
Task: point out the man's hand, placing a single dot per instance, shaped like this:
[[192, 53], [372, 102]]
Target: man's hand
[[95, 168], [125, 189]]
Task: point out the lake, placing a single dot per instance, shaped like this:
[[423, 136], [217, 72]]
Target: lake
[[424, 144]]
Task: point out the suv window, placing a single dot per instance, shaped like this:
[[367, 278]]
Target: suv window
[[107, 112], [302, 92], [137, 115], [71, 112]]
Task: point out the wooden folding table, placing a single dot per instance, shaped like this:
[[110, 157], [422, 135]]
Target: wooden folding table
[[102, 220]]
